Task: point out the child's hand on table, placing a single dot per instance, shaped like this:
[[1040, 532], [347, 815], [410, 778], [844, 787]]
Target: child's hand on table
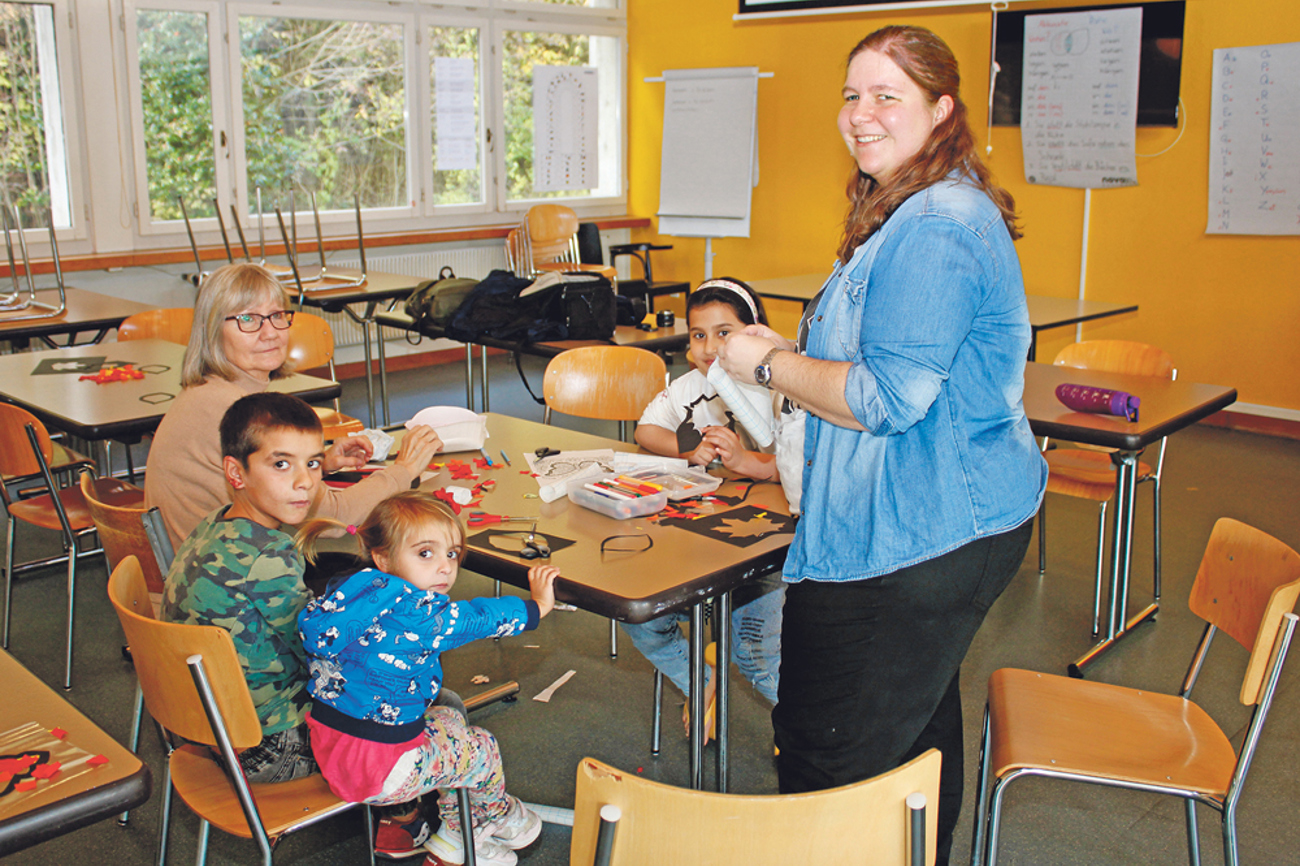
[[541, 583], [751, 464], [418, 447]]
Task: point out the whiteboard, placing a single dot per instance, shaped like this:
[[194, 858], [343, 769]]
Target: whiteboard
[[710, 148], [1078, 104], [1254, 152]]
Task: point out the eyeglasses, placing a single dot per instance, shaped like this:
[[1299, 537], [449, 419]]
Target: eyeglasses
[[251, 323]]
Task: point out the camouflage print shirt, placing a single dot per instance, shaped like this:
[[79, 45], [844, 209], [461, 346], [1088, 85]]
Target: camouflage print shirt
[[247, 579]]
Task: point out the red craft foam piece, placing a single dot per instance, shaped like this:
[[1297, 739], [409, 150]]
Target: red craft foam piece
[[47, 771], [97, 761], [29, 785], [58, 733], [18, 764], [445, 495]]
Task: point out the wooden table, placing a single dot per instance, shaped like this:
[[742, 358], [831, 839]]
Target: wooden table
[[378, 288], [661, 340], [86, 311], [1045, 312], [123, 783], [118, 410], [681, 571], [1167, 407]]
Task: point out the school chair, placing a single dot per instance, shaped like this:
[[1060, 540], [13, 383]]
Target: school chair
[[132, 531], [25, 454], [610, 383], [1087, 473], [311, 345], [622, 819], [548, 241], [172, 324], [1057, 727]]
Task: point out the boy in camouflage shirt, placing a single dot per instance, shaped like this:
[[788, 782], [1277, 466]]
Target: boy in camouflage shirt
[[238, 570]]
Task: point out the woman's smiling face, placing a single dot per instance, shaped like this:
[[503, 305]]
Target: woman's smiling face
[[886, 118]]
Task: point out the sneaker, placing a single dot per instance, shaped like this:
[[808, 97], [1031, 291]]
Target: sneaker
[[397, 840], [447, 848], [519, 828]]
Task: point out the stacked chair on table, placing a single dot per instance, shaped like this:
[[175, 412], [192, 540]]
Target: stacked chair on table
[[1087, 473], [28, 456], [1038, 724], [547, 240]]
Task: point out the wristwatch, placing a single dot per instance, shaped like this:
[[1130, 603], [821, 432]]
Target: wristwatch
[[763, 372]]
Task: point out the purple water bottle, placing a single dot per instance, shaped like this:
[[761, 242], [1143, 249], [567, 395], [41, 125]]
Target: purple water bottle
[[1085, 398]]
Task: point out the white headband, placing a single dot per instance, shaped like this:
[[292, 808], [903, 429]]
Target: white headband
[[732, 287]]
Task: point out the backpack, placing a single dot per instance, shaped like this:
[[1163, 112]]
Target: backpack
[[567, 307], [434, 301]]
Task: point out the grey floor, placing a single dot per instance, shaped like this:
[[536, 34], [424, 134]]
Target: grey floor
[[1041, 622]]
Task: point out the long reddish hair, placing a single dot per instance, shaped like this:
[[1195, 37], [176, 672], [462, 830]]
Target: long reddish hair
[[928, 61]]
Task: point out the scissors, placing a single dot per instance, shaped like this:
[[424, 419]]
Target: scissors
[[535, 548], [482, 518]]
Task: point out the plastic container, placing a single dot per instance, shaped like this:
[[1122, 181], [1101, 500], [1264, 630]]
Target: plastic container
[[678, 483], [612, 504]]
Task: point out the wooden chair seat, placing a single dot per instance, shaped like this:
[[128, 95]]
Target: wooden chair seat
[[1085, 474], [172, 324], [284, 806], [1104, 731], [311, 347], [40, 510], [335, 424]]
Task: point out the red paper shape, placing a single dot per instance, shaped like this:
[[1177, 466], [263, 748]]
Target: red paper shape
[[97, 761], [29, 785], [58, 733], [47, 771]]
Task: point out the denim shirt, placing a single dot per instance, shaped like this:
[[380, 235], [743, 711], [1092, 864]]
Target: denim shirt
[[931, 312]]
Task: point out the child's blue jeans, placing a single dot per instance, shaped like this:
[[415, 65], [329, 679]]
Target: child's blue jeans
[[755, 630]]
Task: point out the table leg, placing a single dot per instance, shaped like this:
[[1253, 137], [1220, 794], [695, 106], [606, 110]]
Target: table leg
[[364, 322], [1117, 626], [383, 360], [722, 622], [696, 700], [483, 350], [469, 376]]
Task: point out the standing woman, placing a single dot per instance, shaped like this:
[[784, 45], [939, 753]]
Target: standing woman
[[921, 477], [238, 345]]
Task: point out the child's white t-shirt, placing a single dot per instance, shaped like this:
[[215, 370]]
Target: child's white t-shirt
[[690, 403]]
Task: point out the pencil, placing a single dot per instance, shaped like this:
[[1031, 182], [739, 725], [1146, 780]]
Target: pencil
[[505, 458]]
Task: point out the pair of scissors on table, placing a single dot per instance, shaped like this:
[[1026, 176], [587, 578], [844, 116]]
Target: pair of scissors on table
[[482, 518]]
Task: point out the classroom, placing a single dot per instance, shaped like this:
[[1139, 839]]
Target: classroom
[[127, 126]]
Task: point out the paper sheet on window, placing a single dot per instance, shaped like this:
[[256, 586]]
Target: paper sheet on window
[[564, 128], [1254, 151], [1078, 99], [454, 122]]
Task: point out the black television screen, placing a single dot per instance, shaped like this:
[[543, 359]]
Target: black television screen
[[1160, 64]]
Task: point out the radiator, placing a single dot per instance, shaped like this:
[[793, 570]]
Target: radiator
[[472, 262]]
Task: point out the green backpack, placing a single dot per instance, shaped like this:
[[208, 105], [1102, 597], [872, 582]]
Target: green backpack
[[435, 301]]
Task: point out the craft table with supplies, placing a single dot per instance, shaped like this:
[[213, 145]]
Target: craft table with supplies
[[86, 312], [649, 567], [96, 778], [377, 289], [1167, 407], [1045, 312], [49, 384], [663, 340]]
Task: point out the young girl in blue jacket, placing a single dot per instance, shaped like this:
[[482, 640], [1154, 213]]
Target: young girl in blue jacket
[[373, 644]]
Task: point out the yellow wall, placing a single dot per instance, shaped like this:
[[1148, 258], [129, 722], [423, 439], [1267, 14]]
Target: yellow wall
[[1226, 307]]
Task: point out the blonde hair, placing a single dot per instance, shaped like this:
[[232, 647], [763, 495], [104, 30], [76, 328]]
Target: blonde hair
[[226, 291], [389, 526]]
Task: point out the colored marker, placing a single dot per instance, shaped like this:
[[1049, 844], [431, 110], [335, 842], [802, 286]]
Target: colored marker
[[483, 451], [606, 492], [505, 458]]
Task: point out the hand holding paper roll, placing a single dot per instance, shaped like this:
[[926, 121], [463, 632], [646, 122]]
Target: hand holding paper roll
[[746, 412]]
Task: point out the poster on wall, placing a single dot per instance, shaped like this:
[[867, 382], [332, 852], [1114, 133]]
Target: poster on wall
[[455, 131], [1078, 100], [1254, 152], [564, 128]]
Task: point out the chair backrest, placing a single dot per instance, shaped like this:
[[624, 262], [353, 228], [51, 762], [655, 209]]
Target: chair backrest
[[172, 324], [1117, 356], [550, 230], [122, 534], [159, 651], [16, 456], [612, 383], [665, 824], [515, 259], [1246, 582], [311, 342]]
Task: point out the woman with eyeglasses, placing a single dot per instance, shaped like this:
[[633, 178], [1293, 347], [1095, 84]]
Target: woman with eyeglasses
[[239, 343]]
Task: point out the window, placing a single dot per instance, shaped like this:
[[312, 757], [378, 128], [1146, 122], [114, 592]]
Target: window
[[424, 115], [34, 157]]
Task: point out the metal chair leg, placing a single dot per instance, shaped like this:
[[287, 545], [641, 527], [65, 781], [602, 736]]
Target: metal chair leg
[[125, 817], [1101, 556], [1155, 519], [201, 858], [1042, 536], [657, 723], [72, 606], [981, 796], [1193, 839], [370, 832], [165, 815], [467, 826], [613, 639], [9, 577]]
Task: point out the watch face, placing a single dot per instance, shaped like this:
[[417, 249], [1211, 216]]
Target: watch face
[[762, 373]]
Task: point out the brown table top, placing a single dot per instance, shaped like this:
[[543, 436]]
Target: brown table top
[[122, 783], [378, 286], [1166, 408], [86, 311], [681, 569], [117, 409]]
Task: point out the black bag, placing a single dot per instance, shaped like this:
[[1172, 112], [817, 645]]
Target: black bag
[[580, 307], [435, 301]]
